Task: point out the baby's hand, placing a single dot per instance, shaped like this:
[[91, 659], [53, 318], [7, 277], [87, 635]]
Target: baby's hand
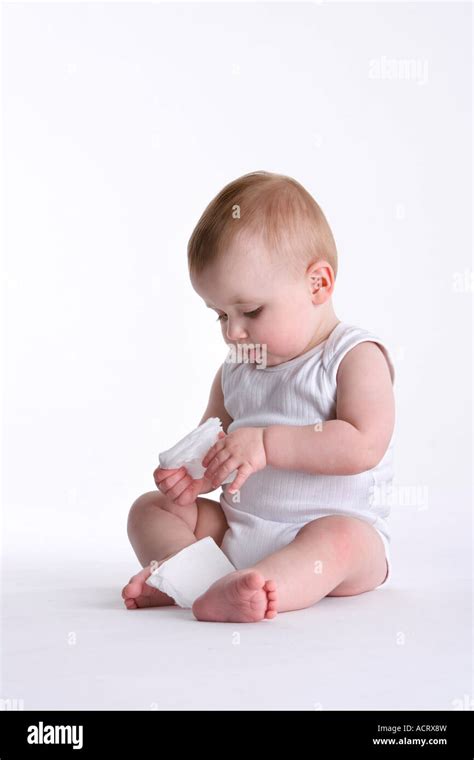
[[241, 450], [180, 487]]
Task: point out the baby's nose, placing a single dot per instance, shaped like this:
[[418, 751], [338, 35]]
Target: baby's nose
[[236, 332]]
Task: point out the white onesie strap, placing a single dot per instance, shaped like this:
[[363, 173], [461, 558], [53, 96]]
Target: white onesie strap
[[343, 338]]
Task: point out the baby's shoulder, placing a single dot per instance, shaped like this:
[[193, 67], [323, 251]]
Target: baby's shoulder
[[343, 339]]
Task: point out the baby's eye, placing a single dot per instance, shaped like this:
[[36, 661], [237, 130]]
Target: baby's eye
[[251, 314], [254, 313]]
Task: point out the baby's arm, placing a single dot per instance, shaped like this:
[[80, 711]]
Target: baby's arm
[[215, 408], [358, 439], [215, 405]]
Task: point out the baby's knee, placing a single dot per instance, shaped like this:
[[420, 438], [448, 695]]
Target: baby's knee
[[336, 531], [151, 504], [145, 502]]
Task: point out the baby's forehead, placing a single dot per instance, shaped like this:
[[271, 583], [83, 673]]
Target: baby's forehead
[[232, 292], [244, 272], [247, 262]]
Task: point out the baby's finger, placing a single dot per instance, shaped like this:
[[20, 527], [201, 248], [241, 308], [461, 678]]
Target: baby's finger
[[165, 481], [213, 450], [160, 474], [170, 480], [188, 496], [179, 487], [209, 456], [215, 463], [243, 473], [217, 476]]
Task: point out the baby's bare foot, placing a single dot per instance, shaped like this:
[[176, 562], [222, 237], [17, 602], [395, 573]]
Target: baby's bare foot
[[240, 597], [137, 593]]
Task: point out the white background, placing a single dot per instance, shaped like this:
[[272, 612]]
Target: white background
[[120, 123]]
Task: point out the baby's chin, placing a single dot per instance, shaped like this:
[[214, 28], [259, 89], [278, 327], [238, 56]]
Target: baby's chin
[[272, 362], [274, 359], [267, 357]]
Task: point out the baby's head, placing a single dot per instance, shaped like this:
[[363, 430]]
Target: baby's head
[[263, 256]]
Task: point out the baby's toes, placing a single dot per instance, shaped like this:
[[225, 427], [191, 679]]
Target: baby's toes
[[272, 599], [136, 584], [131, 589], [128, 595], [252, 581], [126, 591]]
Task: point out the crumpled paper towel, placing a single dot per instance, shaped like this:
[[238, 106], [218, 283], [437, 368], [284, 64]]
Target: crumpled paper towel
[[191, 450], [191, 571]]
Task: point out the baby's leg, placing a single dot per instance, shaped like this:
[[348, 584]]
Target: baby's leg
[[157, 529], [330, 556]]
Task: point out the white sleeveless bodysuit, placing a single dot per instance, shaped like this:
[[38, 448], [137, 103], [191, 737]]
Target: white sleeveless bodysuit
[[274, 504]]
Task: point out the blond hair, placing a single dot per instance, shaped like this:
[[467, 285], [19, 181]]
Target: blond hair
[[273, 206]]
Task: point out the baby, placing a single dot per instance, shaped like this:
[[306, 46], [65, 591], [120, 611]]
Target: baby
[[309, 430]]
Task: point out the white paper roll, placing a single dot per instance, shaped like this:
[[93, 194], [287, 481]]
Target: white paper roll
[[190, 572]]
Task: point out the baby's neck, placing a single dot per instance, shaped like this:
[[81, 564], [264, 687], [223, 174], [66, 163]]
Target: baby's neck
[[324, 328]]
